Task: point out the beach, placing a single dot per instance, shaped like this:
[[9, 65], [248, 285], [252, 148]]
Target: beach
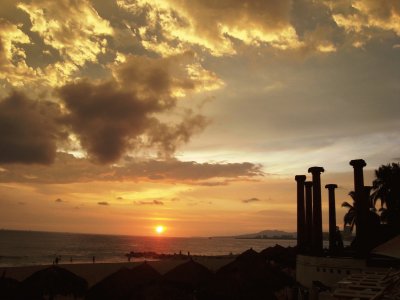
[[97, 266], [253, 274], [94, 272], [30, 248]]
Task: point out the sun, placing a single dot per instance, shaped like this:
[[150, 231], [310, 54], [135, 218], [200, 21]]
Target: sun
[[160, 229]]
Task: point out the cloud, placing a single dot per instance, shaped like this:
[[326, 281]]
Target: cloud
[[114, 116], [363, 18], [73, 28], [103, 203], [29, 130], [214, 26], [251, 200], [82, 170], [154, 202], [13, 66]]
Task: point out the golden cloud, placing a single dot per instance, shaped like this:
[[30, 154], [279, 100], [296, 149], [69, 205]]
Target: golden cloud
[[167, 171], [361, 15], [13, 67], [214, 25], [73, 28]]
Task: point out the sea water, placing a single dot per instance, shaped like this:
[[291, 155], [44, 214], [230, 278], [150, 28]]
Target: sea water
[[23, 248]]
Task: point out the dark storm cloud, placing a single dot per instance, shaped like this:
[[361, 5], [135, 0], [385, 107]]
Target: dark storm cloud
[[167, 138], [105, 117], [111, 116], [251, 200], [103, 203], [28, 130], [82, 170]]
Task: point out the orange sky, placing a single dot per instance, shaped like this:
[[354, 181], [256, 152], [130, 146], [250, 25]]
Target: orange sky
[[118, 116]]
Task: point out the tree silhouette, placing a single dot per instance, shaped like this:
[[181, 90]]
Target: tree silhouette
[[351, 216], [386, 188]]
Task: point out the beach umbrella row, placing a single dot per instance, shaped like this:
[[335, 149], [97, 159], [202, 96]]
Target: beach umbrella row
[[123, 283], [144, 282], [249, 276], [43, 284]]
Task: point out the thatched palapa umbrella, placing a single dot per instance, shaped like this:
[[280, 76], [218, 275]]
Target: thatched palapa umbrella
[[191, 275], [123, 283], [54, 281], [247, 277], [8, 287], [181, 283], [286, 257]]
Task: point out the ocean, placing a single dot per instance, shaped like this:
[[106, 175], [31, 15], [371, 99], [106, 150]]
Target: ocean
[[25, 248]]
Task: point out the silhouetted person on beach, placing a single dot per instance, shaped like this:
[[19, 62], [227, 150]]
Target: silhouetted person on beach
[[338, 239], [94, 259]]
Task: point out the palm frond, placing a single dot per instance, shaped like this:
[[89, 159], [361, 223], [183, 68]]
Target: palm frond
[[347, 205]]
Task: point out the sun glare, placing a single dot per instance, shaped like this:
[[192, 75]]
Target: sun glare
[[160, 229]]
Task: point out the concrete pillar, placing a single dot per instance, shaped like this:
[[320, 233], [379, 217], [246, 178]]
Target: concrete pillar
[[360, 204], [332, 216], [317, 245], [309, 218], [300, 212]]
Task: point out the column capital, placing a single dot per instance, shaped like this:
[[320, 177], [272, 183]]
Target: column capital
[[308, 183], [316, 170], [331, 186], [358, 163], [300, 178]]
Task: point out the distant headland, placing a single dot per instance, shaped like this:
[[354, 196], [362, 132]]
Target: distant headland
[[265, 234]]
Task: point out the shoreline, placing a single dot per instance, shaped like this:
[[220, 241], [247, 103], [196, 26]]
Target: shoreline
[[94, 272]]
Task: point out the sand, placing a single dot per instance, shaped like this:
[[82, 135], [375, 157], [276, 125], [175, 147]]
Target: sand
[[93, 273]]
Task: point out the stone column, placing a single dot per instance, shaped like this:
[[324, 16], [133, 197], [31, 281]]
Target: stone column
[[360, 206], [358, 165], [309, 218], [317, 245], [300, 212], [332, 215]]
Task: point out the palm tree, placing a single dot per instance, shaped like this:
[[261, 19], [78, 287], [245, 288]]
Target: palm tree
[[386, 188], [351, 216]]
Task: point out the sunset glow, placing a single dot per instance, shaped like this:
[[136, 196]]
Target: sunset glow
[[160, 229], [117, 116]]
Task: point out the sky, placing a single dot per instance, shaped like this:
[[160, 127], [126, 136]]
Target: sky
[[119, 116]]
